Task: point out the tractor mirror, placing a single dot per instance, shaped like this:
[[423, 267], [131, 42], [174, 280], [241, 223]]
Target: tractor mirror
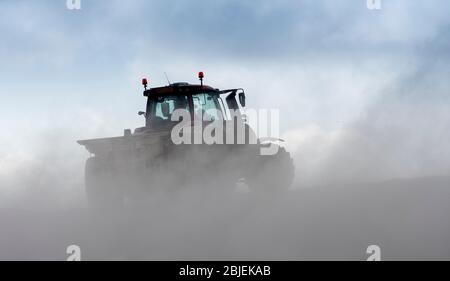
[[142, 113], [242, 99]]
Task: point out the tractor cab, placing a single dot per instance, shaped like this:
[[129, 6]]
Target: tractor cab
[[200, 102]]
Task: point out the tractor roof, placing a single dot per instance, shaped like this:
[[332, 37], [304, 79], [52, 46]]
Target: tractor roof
[[178, 89]]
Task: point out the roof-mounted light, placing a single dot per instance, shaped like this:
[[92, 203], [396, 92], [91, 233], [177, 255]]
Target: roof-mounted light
[[201, 75], [144, 83]]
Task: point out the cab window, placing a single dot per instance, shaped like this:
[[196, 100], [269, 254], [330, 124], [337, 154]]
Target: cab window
[[166, 105], [206, 106]]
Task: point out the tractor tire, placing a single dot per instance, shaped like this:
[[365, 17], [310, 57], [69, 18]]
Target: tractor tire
[[272, 173], [101, 190]]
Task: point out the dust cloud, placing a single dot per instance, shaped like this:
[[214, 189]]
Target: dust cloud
[[352, 206], [382, 179]]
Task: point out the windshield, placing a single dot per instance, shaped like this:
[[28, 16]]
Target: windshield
[[207, 106], [204, 106]]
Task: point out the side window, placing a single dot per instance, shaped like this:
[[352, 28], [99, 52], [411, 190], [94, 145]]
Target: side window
[[160, 106], [166, 105]]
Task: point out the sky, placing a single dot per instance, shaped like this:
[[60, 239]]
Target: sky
[[368, 88]]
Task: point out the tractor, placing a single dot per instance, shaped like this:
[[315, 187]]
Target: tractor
[[194, 135]]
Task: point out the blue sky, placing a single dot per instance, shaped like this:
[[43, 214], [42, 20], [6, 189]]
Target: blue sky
[[328, 65], [54, 58]]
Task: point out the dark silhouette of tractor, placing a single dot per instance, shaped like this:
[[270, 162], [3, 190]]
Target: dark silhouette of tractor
[[138, 163]]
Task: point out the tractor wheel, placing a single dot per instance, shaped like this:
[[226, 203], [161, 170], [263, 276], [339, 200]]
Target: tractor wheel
[[101, 190], [272, 173]]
